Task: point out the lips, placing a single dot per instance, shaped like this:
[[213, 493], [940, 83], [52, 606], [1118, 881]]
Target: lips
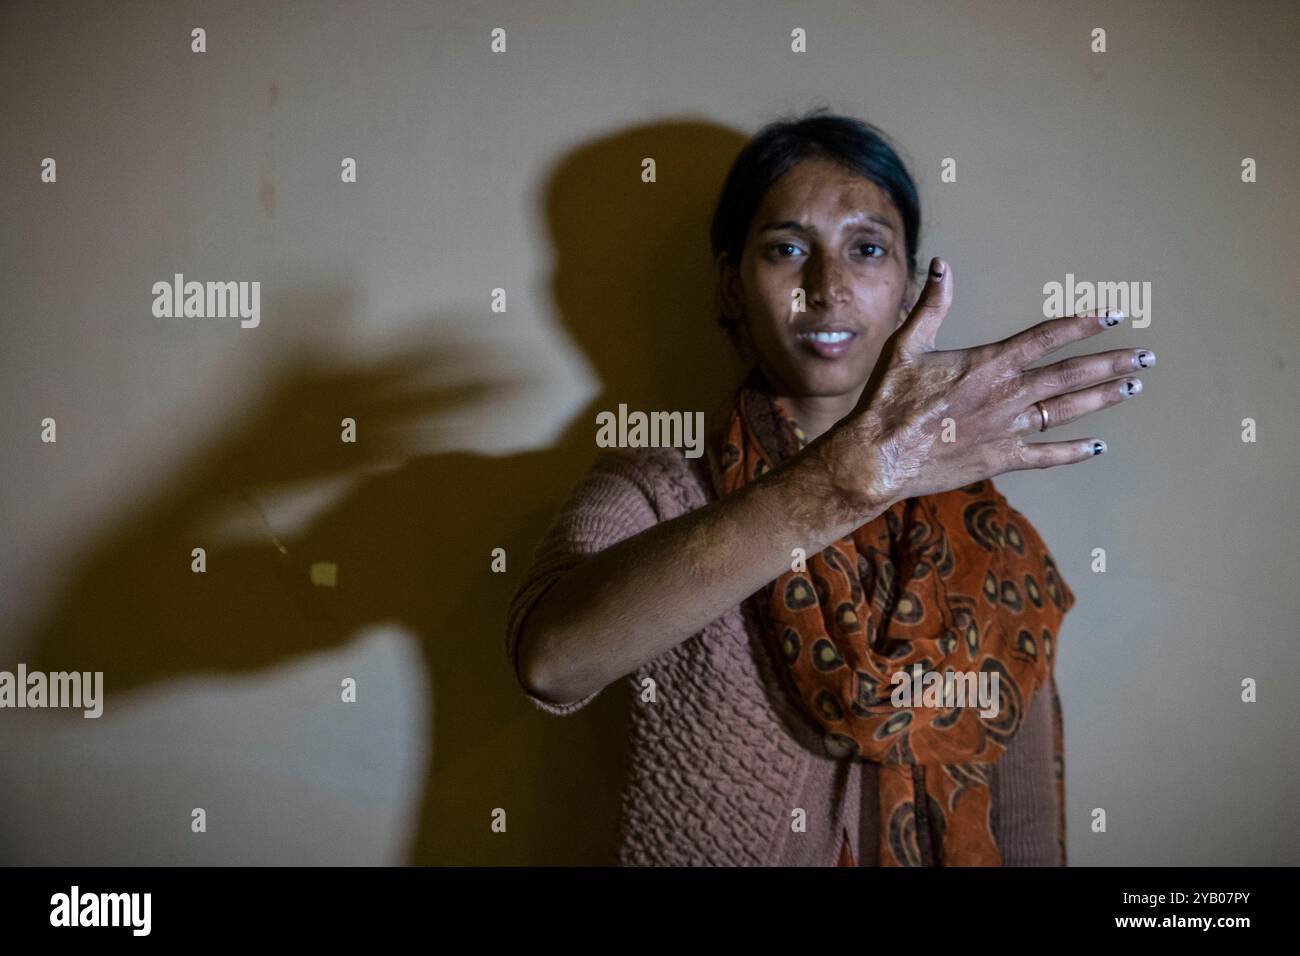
[[827, 341]]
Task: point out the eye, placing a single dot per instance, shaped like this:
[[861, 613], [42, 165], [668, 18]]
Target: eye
[[880, 250], [778, 246]]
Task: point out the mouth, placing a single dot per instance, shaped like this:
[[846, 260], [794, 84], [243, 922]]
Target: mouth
[[827, 342]]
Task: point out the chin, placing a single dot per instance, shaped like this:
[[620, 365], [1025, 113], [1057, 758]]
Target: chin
[[827, 380]]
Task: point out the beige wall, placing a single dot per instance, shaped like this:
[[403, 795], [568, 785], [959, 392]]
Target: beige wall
[[521, 171]]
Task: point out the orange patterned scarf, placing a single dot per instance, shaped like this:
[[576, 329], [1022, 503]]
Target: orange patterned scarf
[[955, 582]]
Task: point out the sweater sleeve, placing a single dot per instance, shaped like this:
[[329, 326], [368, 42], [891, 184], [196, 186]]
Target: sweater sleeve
[[1025, 815], [611, 502]]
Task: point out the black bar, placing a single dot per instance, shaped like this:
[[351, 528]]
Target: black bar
[[548, 905]]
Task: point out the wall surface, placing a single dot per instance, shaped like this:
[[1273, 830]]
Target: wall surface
[[521, 171]]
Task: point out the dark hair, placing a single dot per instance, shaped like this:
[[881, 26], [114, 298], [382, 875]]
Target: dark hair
[[780, 146]]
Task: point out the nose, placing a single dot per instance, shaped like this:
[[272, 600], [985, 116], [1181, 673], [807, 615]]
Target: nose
[[824, 280]]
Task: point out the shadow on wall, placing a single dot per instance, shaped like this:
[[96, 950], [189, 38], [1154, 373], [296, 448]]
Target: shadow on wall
[[632, 286]]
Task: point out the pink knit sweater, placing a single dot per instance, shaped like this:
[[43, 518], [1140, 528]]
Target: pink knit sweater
[[720, 761]]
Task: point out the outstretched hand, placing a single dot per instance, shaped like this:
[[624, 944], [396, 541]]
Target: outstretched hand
[[940, 420]]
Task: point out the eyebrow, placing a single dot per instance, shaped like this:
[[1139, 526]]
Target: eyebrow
[[794, 226]]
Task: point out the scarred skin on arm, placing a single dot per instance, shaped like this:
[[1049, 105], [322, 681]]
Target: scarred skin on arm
[[609, 615]]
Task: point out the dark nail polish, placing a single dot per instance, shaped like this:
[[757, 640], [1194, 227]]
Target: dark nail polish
[[1098, 447], [1146, 359]]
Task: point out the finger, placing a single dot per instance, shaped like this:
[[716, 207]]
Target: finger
[[1066, 408], [1074, 373], [1033, 343], [918, 331], [1053, 453]]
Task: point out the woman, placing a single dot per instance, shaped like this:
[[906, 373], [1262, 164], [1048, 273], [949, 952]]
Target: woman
[[841, 531]]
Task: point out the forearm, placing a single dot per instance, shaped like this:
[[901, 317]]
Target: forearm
[[631, 602]]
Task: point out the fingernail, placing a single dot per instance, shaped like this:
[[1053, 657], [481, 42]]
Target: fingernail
[[1098, 447], [1112, 317], [1146, 359], [1132, 386], [936, 268]]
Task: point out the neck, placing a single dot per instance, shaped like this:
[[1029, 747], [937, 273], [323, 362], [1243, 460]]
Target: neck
[[817, 413]]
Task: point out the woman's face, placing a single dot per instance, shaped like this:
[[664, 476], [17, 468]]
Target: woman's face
[[837, 236]]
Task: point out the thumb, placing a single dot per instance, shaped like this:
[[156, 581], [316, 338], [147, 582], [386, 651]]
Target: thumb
[[918, 331]]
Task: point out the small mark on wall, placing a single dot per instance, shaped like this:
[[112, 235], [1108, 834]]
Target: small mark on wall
[[325, 574], [266, 192]]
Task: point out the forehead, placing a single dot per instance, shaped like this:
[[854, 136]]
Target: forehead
[[828, 195]]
